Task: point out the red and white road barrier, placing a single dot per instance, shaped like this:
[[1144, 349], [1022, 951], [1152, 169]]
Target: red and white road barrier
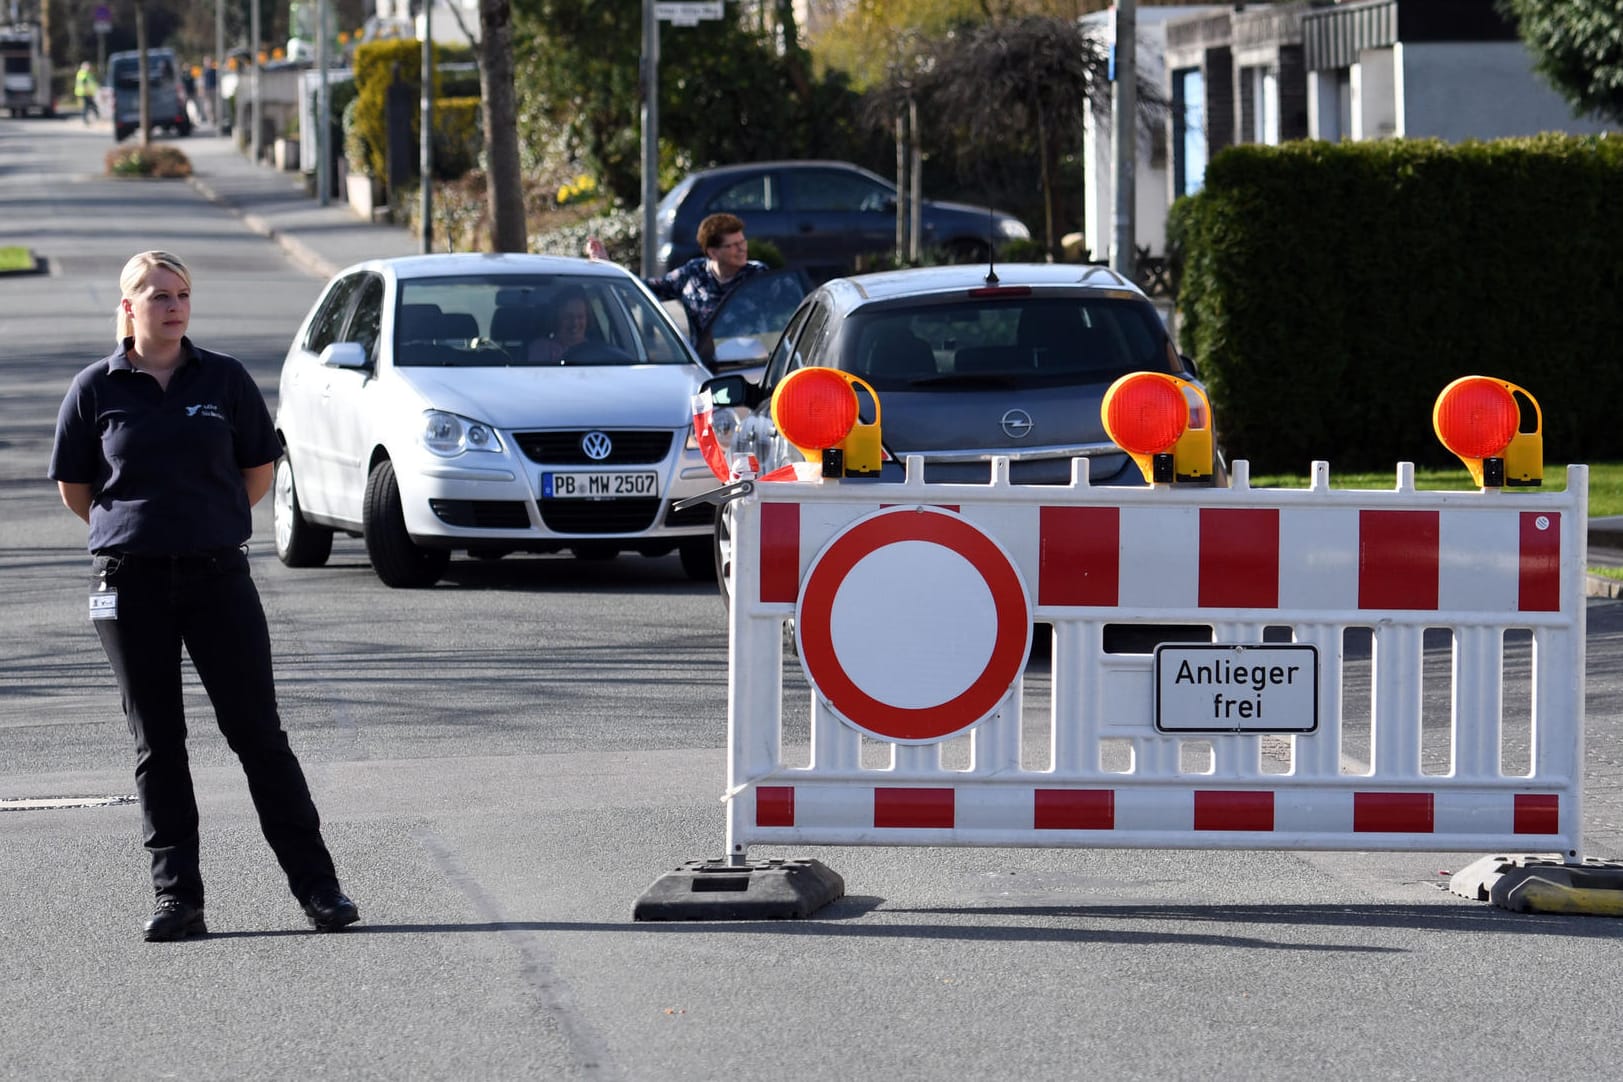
[[914, 605]]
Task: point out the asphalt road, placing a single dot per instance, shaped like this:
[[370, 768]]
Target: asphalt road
[[506, 761]]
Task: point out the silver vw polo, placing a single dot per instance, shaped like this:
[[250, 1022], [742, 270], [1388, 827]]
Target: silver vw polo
[[488, 404]]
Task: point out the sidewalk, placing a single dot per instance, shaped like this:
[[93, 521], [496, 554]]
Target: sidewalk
[[322, 240]]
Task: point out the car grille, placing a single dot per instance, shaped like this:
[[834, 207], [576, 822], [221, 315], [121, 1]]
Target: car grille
[[701, 514], [482, 514], [564, 449], [599, 516]]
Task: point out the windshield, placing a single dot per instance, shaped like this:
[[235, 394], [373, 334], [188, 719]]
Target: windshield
[[501, 320], [1026, 341]]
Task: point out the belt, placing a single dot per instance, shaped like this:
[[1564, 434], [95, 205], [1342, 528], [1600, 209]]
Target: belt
[[188, 561]]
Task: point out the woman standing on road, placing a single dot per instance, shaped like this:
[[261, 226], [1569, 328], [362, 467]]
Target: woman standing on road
[[163, 448]]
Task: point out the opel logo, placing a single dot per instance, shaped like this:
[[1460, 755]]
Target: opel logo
[[1016, 424], [597, 445]]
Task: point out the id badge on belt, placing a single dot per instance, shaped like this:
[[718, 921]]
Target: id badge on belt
[[104, 603]]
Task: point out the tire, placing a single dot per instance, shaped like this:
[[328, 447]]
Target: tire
[[722, 538], [122, 132], [397, 559], [298, 543], [699, 558]]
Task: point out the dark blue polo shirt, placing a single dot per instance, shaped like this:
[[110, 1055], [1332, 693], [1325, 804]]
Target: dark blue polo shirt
[[164, 466]]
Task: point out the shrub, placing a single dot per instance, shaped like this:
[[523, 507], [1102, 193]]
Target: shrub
[[1330, 291], [766, 252], [620, 231], [148, 161], [459, 137], [375, 65], [1023, 251]]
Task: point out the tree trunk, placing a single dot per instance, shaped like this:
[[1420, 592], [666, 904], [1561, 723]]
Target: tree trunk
[[144, 99], [505, 189], [1044, 151]]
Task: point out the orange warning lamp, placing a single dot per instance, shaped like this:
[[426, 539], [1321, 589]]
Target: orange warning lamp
[[1481, 420], [816, 410], [1164, 423]]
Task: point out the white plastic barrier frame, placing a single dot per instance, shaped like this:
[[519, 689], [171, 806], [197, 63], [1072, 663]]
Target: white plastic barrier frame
[[916, 569]]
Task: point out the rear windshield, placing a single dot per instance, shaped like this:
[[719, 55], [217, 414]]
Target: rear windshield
[[1028, 340], [502, 320], [127, 71]]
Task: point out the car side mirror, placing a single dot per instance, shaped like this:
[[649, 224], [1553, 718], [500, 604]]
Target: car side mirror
[[1189, 365], [733, 390], [344, 355]]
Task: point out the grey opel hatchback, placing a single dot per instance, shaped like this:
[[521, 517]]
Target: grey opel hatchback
[[970, 363]]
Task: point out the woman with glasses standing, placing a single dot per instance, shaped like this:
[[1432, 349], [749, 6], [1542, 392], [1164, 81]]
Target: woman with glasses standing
[[703, 282]]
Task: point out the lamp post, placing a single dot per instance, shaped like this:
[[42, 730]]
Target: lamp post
[[1124, 144], [323, 110], [219, 66], [425, 142], [650, 134], [255, 149]]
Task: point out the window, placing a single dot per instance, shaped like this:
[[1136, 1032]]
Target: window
[[485, 321], [367, 322], [1189, 130], [754, 193], [829, 190], [760, 305], [325, 328], [1030, 342], [777, 365]]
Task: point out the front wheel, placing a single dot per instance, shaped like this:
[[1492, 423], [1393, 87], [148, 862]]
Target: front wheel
[[723, 554], [298, 543], [398, 560]]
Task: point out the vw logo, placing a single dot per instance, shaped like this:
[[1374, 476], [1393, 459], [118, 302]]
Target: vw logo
[[597, 445], [1016, 424]]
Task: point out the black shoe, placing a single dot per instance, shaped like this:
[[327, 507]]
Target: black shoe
[[174, 919], [329, 910]]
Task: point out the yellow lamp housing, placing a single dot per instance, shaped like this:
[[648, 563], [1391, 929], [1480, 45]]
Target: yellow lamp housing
[[816, 409], [1163, 423], [1484, 421]]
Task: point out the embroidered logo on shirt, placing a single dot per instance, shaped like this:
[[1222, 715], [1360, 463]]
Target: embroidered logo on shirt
[[206, 409]]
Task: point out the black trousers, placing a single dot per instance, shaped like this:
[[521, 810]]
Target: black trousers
[[208, 604]]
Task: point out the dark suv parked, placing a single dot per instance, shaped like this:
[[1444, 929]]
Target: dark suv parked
[[821, 215]]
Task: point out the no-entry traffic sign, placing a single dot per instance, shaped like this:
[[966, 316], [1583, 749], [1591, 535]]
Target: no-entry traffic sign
[[913, 624]]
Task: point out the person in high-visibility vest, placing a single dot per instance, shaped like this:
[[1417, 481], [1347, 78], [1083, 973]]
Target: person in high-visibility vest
[[85, 89]]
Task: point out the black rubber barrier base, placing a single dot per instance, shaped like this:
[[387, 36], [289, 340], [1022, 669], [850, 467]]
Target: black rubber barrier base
[[756, 890], [1538, 884]]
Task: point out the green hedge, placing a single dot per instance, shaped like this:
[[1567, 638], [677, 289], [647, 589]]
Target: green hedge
[[457, 139], [1330, 291]]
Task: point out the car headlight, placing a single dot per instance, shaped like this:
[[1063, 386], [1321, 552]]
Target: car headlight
[[724, 422], [448, 435], [1013, 229]]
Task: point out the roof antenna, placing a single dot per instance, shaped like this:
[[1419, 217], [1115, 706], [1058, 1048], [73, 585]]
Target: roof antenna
[[991, 245]]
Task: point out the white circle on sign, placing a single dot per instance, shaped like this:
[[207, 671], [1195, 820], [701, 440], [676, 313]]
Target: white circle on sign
[[821, 658], [914, 624], [1542, 522]]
